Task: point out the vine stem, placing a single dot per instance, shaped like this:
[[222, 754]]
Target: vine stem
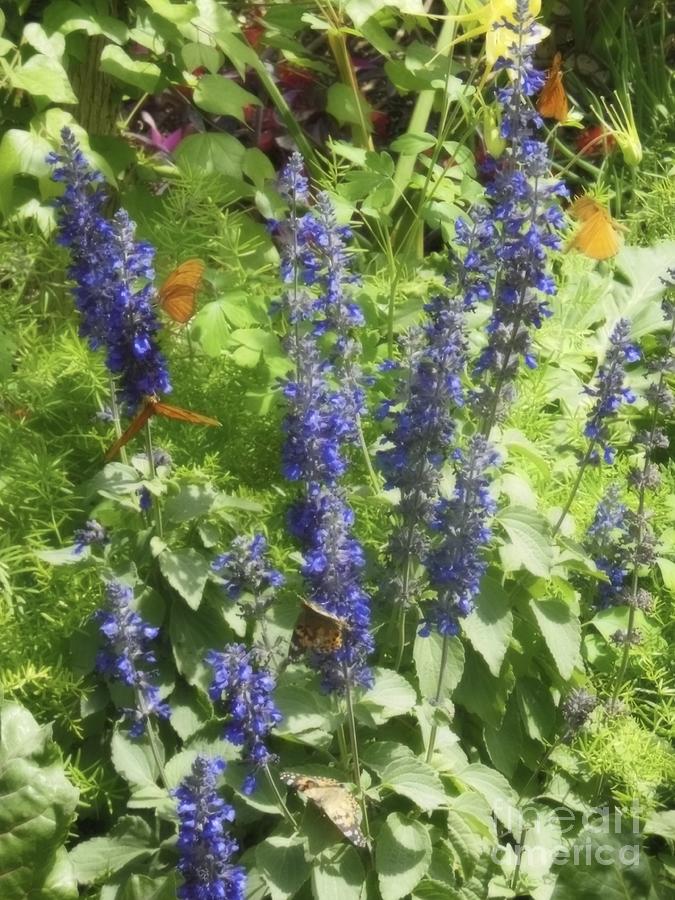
[[286, 813], [575, 487], [356, 764], [156, 508], [437, 699]]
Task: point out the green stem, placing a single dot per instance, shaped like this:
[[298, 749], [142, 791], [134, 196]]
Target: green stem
[[115, 410], [439, 694], [152, 739], [575, 487], [286, 813], [156, 508], [361, 130], [356, 765], [372, 474]]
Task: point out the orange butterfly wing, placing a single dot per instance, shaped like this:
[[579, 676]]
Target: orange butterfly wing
[[183, 415], [597, 237], [553, 103], [146, 412], [178, 294], [585, 207]]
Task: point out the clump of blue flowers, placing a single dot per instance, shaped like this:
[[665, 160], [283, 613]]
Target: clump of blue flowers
[[204, 843], [244, 689], [113, 275], [128, 656], [609, 390], [456, 562], [324, 401], [608, 538], [245, 569], [93, 533]]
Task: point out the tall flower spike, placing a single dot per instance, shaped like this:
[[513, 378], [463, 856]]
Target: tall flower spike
[[113, 277], [509, 239], [245, 689], [608, 540], [456, 561], [245, 569], [129, 654], [204, 844], [609, 389]]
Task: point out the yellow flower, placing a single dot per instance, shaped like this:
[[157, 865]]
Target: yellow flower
[[622, 126]]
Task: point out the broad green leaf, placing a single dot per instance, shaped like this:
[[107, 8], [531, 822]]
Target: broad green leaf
[[402, 855], [173, 12], [210, 328], [222, 96], [98, 858], [496, 790], [307, 714], [661, 823], [427, 653], [415, 780], [343, 106], [561, 631], [410, 144], [537, 708], [480, 692], [141, 887], [66, 17], [133, 759], [253, 344], [43, 76], [191, 502], [608, 621], [187, 572], [201, 56], [142, 75], [193, 634], [391, 695], [210, 154], [49, 45], [281, 862], [257, 167], [504, 741], [380, 754], [38, 806], [529, 544], [541, 843], [338, 874], [360, 11], [490, 625], [189, 711], [60, 883]]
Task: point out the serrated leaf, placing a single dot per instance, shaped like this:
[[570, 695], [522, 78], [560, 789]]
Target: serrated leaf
[[133, 759], [402, 855], [101, 857], [193, 634], [417, 781], [338, 874], [427, 654], [496, 790], [561, 631], [43, 76], [187, 572], [38, 806], [490, 625], [222, 96], [142, 75], [529, 545], [281, 862], [192, 501], [380, 754], [391, 695]]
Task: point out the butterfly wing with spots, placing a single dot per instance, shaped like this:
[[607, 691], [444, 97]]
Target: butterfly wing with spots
[[334, 801], [316, 629]]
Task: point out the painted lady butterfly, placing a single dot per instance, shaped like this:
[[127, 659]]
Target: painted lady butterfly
[[334, 801]]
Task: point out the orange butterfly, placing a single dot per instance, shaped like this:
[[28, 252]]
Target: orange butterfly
[[178, 294], [597, 236], [153, 407], [552, 102]]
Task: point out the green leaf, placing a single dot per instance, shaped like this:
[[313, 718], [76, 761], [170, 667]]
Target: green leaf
[[496, 790], [281, 861], [133, 759], [60, 883], [254, 344], [391, 695], [308, 715], [380, 754], [142, 75], [427, 652], [187, 572], [66, 17], [258, 168], [210, 328], [98, 858], [402, 856], [343, 106], [480, 692], [412, 144], [537, 708], [360, 11], [141, 887], [223, 97], [43, 76], [338, 874], [38, 806], [201, 56], [188, 711], [49, 45], [417, 781], [193, 634], [177, 13], [661, 823], [191, 502], [561, 631], [490, 625], [529, 547], [210, 154]]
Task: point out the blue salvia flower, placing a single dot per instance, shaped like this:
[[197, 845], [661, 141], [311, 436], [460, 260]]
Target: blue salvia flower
[[128, 656], [324, 401], [245, 568], [333, 561], [609, 540], [456, 561], [509, 239], [92, 533], [245, 689], [204, 843], [113, 275], [424, 426], [609, 389]]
